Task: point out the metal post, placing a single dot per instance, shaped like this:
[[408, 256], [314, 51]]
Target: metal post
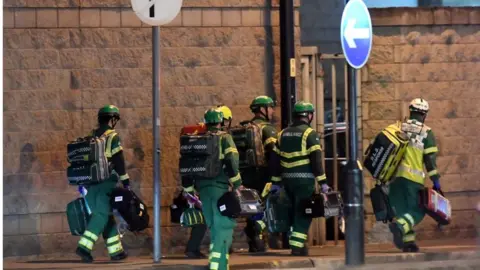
[[156, 143], [354, 230], [287, 61]]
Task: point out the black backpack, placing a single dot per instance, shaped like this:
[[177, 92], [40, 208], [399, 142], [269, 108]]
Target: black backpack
[[200, 155], [131, 208]]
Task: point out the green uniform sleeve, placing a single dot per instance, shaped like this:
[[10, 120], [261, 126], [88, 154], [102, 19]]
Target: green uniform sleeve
[[430, 155], [118, 159], [231, 160], [314, 151], [274, 162]]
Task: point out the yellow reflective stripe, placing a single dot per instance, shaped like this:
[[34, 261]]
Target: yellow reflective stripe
[[430, 150], [276, 150], [211, 246], [299, 235], [295, 163], [409, 238], [189, 189], [410, 218], [269, 141], [262, 224], [321, 177], [228, 256], [91, 235], [86, 243], [432, 173], [195, 219], [213, 266], [276, 179], [113, 239], [116, 150], [216, 255], [303, 151], [279, 135], [404, 224], [304, 139], [314, 148], [230, 150], [235, 178], [189, 219], [201, 218], [115, 248], [124, 177], [108, 152], [296, 244]]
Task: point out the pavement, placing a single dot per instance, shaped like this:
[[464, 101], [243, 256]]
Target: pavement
[[434, 254]]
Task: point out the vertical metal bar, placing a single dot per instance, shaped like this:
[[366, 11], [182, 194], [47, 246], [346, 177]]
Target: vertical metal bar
[[313, 64], [354, 231], [347, 148], [156, 144], [320, 107], [335, 143], [305, 85], [287, 60]]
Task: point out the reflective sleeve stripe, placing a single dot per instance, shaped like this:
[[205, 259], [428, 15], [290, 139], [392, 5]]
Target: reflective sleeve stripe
[[321, 177], [124, 177], [116, 150], [230, 150], [314, 148], [189, 189], [432, 173], [276, 179], [269, 141], [235, 178], [430, 150]]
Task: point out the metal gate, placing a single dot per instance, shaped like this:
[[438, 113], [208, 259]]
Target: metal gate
[[324, 83]]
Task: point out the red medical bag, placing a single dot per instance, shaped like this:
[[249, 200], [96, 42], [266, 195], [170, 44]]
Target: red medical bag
[[437, 206]]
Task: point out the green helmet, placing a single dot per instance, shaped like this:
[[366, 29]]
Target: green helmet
[[213, 116], [109, 110], [261, 101], [303, 108]]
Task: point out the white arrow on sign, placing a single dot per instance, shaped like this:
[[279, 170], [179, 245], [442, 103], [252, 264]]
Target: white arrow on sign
[[352, 33]]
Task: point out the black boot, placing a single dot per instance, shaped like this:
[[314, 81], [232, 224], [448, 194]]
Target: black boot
[[120, 256], [300, 251], [397, 235], [410, 247], [85, 255]]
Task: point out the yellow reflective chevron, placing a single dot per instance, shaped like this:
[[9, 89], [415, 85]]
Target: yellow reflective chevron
[[304, 151], [293, 164]]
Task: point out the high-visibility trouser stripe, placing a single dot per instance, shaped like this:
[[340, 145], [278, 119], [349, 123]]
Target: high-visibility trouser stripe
[[410, 219], [296, 244], [295, 163], [91, 235], [235, 178], [276, 179], [216, 255], [124, 177], [404, 224], [299, 235], [211, 247], [213, 266], [86, 242], [432, 172], [321, 177], [113, 239], [115, 248], [409, 237], [430, 150]]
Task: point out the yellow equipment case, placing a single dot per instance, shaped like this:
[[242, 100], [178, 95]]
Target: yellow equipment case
[[384, 154]]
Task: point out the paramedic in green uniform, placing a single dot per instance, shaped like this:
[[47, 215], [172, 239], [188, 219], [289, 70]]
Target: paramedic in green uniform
[[102, 221], [403, 191], [211, 189], [300, 156]]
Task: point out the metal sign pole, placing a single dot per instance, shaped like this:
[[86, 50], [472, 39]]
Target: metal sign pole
[[156, 144]]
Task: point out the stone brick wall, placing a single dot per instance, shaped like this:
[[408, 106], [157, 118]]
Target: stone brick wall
[[65, 59], [432, 54]]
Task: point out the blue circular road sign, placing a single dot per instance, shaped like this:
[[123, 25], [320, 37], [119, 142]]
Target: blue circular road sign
[[356, 33]]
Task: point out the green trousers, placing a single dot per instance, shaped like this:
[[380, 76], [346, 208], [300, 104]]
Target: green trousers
[[101, 220], [221, 227], [196, 236], [298, 190], [403, 196]]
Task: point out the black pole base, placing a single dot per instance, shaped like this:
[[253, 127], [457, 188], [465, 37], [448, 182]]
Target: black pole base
[[354, 212]]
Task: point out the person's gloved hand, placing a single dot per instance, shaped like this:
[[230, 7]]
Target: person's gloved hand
[[127, 186], [325, 188], [436, 185], [82, 190], [274, 188]]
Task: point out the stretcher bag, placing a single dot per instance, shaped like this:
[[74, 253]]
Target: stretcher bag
[[381, 205], [248, 140], [384, 154], [77, 216], [436, 205], [200, 155], [250, 202], [278, 210], [131, 208], [313, 207], [177, 208]]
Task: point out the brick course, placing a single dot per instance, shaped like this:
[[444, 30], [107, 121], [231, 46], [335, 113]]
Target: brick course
[[65, 59]]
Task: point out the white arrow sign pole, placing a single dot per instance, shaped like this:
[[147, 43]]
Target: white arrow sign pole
[[351, 33]]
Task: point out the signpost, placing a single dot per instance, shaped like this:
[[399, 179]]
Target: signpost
[[156, 13], [356, 39]]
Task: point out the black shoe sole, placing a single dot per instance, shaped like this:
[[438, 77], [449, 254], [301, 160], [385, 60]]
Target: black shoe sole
[[85, 258], [397, 235]]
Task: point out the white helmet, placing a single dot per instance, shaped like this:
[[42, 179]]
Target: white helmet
[[419, 105]]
